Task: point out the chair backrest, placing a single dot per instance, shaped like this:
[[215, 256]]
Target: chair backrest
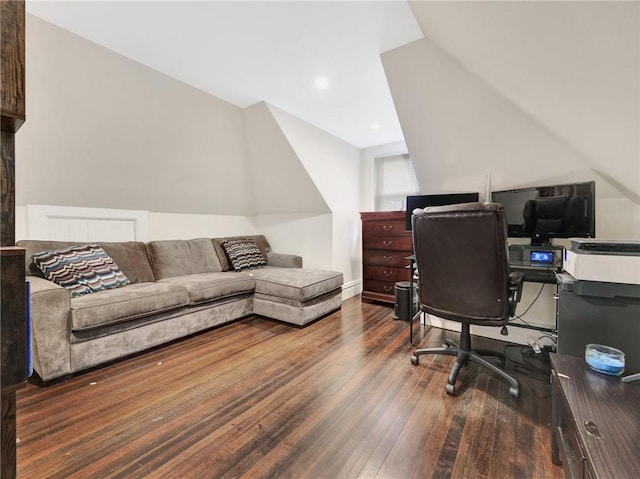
[[555, 214], [463, 262]]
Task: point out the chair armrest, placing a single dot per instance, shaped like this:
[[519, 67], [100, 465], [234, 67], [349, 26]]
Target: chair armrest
[[516, 279], [284, 260]]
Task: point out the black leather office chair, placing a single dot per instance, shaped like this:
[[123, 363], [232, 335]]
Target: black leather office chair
[[555, 214], [462, 256]]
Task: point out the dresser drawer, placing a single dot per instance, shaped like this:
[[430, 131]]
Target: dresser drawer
[[385, 258], [389, 242], [379, 286], [370, 228], [386, 273]]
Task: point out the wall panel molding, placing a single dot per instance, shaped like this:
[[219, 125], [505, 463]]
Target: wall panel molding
[[69, 223]]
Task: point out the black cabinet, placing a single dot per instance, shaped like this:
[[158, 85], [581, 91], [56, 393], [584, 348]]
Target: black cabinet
[[601, 313]]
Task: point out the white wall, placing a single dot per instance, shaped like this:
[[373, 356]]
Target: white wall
[[304, 235], [104, 131], [162, 226], [280, 182], [188, 226], [334, 166], [572, 68]]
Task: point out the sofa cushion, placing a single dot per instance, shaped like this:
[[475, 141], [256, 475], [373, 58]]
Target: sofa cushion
[[126, 303], [80, 269], [295, 312], [244, 254], [171, 258], [282, 260], [130, 256], [298, 284], [260, 240], [211, 286]]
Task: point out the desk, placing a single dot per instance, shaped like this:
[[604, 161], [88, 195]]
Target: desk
[[520, 259], [532, 274], [595, 429], [535, 274], [542, 274]]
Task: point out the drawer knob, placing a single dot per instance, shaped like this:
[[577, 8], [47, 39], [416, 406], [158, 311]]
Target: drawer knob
[[386, 244], [592, 429], [387, 258], [387, 227], [388, 288], [387, 273]]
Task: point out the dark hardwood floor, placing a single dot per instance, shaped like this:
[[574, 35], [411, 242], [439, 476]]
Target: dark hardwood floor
[[256, 398]]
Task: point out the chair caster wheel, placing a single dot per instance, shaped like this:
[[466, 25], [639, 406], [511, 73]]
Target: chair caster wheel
[[515, 392], [414, 360], [450, 389]]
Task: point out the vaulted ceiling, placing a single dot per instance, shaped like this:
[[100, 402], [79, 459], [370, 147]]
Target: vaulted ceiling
[[246, 52], [571, 67]]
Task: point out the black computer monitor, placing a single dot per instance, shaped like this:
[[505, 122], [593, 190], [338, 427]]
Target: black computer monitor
[[422, 201]]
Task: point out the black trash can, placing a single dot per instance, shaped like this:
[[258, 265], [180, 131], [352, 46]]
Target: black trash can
[[405, 309]]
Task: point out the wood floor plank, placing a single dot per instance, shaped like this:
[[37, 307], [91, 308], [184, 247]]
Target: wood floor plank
[[480, 416], [338, 398]]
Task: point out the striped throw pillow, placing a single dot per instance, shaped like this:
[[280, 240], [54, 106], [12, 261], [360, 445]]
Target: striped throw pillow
[[243, 254], [81, 269]]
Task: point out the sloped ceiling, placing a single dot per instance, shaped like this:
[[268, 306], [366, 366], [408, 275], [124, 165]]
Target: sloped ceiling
[[250, 51], [281, 185], [571, 67]]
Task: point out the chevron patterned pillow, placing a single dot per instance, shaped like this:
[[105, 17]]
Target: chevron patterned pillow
[[243, 254], [81, 269]]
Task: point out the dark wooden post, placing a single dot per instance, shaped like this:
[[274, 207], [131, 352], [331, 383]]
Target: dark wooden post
[[13, 321]]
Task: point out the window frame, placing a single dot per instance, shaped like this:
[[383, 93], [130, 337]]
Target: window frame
[[395, 201]]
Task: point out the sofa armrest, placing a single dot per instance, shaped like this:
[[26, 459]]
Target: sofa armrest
[[50, 323], [284, 260]]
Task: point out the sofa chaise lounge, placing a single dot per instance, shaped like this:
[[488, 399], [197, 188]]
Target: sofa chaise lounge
[[175, 288]]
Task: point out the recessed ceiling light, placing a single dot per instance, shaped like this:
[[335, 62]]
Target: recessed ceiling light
[[375, 125], [321, 83]]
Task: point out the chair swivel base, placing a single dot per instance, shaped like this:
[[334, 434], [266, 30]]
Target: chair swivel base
[[463, 355]]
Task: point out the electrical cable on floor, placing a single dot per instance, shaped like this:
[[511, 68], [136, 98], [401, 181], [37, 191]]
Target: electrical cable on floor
[[528, 357], [549, 336], [527, 364]]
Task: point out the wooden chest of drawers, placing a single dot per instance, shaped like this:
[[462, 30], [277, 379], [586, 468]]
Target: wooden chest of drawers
[[385, 248]]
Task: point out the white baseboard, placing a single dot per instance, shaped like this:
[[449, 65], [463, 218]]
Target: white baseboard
[[351, 289]]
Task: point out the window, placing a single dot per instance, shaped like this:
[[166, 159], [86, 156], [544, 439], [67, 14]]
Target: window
[[395, 179]]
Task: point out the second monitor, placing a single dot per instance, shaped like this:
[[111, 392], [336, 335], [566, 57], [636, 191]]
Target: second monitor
[[422, 201]]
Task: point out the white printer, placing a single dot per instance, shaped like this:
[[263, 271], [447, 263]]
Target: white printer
[[612, 261]]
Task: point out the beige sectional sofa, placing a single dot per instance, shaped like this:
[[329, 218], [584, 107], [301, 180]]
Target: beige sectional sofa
[[177, 288]]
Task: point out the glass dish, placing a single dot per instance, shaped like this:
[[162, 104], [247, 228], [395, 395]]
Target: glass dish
[[604, 359]]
